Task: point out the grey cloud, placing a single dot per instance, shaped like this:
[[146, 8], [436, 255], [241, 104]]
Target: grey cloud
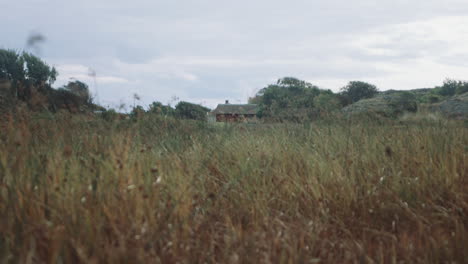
[[214, 49]]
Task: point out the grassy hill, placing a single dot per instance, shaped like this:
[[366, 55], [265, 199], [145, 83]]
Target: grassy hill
[[393, 103], [454, 107], [388, 104]]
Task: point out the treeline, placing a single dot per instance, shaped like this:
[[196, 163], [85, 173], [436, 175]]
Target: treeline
[[296, 100], [26, 79], [293, 99], [182, 110], [449, 88]]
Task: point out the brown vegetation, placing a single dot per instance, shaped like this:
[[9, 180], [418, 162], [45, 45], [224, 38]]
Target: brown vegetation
[[77, 189]]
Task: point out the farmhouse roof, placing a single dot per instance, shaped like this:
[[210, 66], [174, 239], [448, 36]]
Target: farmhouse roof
[[241, 109]]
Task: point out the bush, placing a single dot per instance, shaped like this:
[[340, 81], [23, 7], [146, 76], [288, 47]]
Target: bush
[[160, 109], [37, 72], [26, 69], [357, 90], [29, 79], [452, 87], [431, 98], [404, 102], [64, 99], [462, 88], [11, 66], [110, 115], [79, 89], [188, 110], [386, 104], [137, 112], [291, 99], [327, 102]]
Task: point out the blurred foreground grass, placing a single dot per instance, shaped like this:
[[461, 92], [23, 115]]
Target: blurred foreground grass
[[79, 189]]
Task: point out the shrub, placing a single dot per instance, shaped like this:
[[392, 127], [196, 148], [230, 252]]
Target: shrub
[[357, 90], [137, 112], [160, 109], [64, 99], [188, 110], [291, 99], [11, 65], [79, 89], [37, 72], [404, 102], [452, 87], [327, 102], [431, 98], [110, 115]]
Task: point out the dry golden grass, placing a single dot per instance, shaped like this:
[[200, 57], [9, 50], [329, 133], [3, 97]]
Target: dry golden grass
[[81, 190]]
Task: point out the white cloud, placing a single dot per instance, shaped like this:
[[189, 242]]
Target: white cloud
[[82, 73], [110, 79], [215, 50], [430, 38], [416, 54]]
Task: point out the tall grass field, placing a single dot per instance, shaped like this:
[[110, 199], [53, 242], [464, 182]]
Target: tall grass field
[[78, 189]]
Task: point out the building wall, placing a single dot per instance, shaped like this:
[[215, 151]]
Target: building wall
[[234, 118]]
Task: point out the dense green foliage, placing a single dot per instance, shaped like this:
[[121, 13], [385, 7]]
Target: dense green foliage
[[137, 112], [452, 87], [11, 65], [449, 88], [37, 72], [294, 99], [188, 110], [79, 89], [160, 109], [386, 104], [404, 102], [291, 99], [25, 68], [29, 80], [183, 110], [357, 90]]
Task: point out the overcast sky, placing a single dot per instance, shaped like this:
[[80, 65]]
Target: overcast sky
[[206, 51]]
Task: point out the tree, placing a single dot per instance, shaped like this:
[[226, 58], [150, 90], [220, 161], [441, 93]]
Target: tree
[[37, 72], [25, 68], [160, 109], [357, 90], [74, 96], [26, 73], [293, 99], [79, 89], [463, 88], [64, 99], [431, 98], [137, 112], [110, 115], [188, 110], [452, 87], [288, 92], [11, 66], [327, 102], [30, 80]]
